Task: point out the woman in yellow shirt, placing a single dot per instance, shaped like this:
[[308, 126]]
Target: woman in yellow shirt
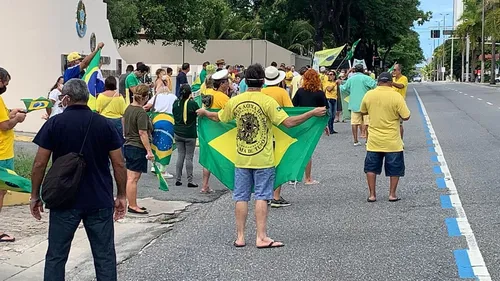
[[111, 104], [330, 89]]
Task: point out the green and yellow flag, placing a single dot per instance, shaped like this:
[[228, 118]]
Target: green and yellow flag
[[350, 54], [392, 68], [293, 147], [37, 104], [9, 180], [326, 57], [163, 182]]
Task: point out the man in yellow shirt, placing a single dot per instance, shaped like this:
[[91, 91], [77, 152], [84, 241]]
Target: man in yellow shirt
[[330, 88], [8, 120], [214, 98], [385, 107], [400, 84], [280, 95], [254, 162], [288, 78]]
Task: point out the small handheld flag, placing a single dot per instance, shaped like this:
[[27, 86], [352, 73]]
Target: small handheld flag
[[37, 104], [392, 68], [95, 81], [350, 54]]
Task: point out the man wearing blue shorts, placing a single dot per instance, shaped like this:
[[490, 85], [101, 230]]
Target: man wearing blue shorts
[[255, 113], [385, 107]]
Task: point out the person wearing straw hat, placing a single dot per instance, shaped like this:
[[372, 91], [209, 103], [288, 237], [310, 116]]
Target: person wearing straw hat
[[215, 99], [273, 79]]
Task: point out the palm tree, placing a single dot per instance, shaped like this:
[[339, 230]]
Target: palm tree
[[492, 23], [471, 25]]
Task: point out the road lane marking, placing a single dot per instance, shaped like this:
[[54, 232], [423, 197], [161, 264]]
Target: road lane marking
[[465, 94], [471, 96], [470, 262], [479, 99], [489, 103]]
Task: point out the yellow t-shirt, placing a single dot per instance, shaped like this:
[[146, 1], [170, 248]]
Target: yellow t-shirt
[[220, 99], [333, 93], [110, 107], [402, 80], [385, 107], [296, 83], [255, 113], [278, 94], [6, 137], [289, 75], [324, 79]]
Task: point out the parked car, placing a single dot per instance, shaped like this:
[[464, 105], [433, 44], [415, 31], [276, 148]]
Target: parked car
[[417, 79]]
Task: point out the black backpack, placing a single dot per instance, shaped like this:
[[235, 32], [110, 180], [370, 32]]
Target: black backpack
[[60, 185]]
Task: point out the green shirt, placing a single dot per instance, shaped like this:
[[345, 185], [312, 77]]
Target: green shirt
[[185, 129], [136, 119], [131, 81], [357, 86]]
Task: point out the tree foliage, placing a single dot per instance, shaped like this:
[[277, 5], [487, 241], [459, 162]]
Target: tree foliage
[[302, 26]]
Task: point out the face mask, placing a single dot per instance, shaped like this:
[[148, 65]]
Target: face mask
[[64, 106], [164, 77], [3, 89]]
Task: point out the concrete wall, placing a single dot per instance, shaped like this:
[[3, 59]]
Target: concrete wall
[[243, 52], [36, 34]]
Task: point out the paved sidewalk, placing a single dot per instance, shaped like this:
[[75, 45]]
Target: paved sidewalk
[[24, 259]]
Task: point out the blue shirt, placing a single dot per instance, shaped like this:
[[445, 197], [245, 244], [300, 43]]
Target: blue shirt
[[357, 86], [72, 72], [180, 80], [64, 133]]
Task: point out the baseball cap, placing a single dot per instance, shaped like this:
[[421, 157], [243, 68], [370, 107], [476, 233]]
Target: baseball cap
[[322, 69], [74, 56], [385, 77], [359, 68]]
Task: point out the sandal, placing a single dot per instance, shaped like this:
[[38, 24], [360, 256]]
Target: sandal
[[132, 211], [207, 191], [4, 235], [314, 182], [271, 245]]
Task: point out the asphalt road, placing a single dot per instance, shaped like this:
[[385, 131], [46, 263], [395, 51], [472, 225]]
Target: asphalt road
[[332, 233]]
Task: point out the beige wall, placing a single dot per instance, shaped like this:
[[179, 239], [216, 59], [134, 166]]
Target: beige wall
[[37, 33], [243, 52]]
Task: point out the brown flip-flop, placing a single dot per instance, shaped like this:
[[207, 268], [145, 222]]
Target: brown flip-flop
[[238, 245], [4, 235]]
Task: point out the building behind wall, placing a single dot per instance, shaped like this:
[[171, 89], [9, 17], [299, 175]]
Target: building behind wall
[[36, 38]]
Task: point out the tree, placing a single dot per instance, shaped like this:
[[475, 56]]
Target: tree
[[407, 53]]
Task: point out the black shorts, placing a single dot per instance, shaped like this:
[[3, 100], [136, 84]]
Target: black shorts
[[135, 159], [394, 163]]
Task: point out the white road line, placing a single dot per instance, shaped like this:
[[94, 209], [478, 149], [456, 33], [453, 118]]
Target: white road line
[[479, 99], [489, 103], [460, 92], [465, 94], [475, 256], [471, 96]]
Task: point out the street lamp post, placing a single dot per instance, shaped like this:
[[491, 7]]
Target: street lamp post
[[482, 44], [444, 42]]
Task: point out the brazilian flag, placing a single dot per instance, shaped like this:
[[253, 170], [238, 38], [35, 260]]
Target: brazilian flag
[[293, 147], [9, 180], [37, 104]]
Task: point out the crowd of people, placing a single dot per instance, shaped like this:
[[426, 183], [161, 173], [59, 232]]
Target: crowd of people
[[119, 135]]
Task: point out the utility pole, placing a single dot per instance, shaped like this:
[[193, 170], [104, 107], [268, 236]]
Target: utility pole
[[467, 57], [439, 41], [444, 43], [463, 61], [482, 44], [493, 61], [451, 58]]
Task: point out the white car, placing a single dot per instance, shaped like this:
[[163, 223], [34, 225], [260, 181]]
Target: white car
[[417, 79]]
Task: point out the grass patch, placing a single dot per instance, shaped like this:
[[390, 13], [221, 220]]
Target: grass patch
[[22, 164]]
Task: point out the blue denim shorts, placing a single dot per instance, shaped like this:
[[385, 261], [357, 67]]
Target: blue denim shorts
[[135, 159], [262, 180], [394, 163]]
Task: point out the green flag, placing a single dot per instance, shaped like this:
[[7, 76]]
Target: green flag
[[293, 147], [9, 180], [163, 182], [392, 68], [350, 54], [198, 100], [37, 104]]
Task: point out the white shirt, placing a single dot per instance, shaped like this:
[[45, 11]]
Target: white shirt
[[56, 109], [164, 102]]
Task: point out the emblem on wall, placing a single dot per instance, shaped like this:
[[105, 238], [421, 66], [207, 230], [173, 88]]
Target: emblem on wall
[[81, 19], [92, 42]]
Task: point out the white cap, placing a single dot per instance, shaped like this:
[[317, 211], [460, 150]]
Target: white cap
[[322, 69], [221, 74]]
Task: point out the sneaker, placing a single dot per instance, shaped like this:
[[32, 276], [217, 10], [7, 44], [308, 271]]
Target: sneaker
[[292, 182], [357, 143], [279, 203], [167, 175]]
